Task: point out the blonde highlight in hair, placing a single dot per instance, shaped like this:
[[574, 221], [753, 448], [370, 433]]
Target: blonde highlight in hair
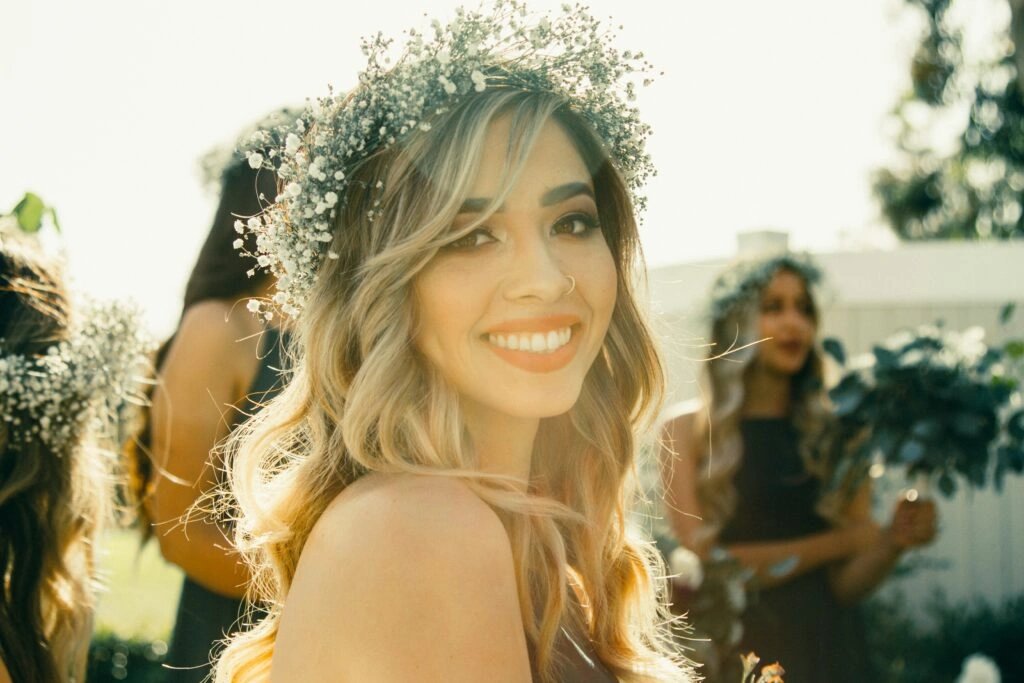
[[361, 400]]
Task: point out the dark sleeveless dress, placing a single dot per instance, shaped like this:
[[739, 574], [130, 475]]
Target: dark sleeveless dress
[[798, 623], [577, 659], [205, 617]]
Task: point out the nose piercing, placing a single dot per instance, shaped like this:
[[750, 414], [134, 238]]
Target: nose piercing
[[572, 285]]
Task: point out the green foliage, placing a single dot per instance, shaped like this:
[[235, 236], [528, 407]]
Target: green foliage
[[972, 191], [30, 212], [1006, 312], [115, 660], [934, 402], [905, 651]]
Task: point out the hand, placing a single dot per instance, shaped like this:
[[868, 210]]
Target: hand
[[914, 524]]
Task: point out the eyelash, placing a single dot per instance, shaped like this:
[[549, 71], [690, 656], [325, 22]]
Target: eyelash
[[590, 222], [472, 240]]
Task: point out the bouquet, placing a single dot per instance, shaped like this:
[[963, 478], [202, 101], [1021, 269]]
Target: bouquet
[[941, 404], [713, 595]]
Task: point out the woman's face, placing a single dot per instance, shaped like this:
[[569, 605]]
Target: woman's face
[[787, 317], [495, 310]]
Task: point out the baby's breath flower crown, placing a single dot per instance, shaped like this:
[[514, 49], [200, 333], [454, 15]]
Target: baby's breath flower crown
[[746, 280], [569, 54], [79, 385]]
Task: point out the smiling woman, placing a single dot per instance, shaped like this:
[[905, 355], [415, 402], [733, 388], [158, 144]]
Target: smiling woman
[[439, 494], [496, 316]]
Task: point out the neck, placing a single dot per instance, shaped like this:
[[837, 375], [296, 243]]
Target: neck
[[767, 394], [504, 444]]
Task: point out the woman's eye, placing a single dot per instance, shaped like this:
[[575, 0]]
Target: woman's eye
[[771, 307], [477, 238], [575, 224]]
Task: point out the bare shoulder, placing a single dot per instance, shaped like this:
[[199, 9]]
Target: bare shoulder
[[387, 518], [420, 571], [425, 496], [215, 322], [216, 339]]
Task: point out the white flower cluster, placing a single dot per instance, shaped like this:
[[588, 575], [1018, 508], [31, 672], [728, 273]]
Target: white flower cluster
[[570, 55], [978, 668], [81, 383]]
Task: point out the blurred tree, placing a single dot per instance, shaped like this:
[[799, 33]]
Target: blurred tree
[[960, 172]]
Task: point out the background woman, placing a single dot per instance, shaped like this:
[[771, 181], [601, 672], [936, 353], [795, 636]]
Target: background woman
[[216, 369], [63, 376], [439, 494], [746, 469]]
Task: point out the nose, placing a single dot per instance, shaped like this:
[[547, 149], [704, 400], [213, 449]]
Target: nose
[[794, 318], [535, 273]]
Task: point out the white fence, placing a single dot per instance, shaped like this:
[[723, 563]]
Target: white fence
[[868, 296]]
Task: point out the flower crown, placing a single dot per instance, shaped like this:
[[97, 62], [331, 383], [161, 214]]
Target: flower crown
[[80, 383], [744, 281], [569, 55]]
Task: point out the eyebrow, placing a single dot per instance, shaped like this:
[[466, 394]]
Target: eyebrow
[[550, 198]]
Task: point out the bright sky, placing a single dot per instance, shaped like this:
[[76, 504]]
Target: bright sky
[[769, 115]]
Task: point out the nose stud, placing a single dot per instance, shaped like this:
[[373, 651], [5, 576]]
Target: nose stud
[[572, 285]]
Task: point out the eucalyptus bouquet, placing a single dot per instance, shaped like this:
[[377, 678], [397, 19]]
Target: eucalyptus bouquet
[[938, 403]]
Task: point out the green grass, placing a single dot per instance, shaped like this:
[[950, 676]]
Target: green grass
[[141, 591]]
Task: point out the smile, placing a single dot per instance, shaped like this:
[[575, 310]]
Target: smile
[[540, 345], [532, 342]]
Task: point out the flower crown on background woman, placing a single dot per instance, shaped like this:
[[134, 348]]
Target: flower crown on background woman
[[743, 282], [570, 55], [80, 383]]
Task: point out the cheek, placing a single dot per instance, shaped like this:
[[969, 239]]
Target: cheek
[[602, 280], [435, 303]]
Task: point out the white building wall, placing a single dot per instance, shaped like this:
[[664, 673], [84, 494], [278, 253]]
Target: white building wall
[[866, 297]]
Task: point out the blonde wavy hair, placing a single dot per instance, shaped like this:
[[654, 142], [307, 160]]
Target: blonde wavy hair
[[733, 347], [363, 400], [53, 501]]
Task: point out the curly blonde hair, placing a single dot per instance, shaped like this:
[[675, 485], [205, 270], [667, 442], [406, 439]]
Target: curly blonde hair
[[363, 400]]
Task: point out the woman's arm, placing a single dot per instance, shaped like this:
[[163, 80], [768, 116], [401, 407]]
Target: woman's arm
[[191, 412], [404, 578], [678, 457], [775, 562], [913, 525]]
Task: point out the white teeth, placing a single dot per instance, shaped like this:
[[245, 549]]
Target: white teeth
[[534, 342]]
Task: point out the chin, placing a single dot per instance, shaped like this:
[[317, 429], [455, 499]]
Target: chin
[[536, 402], [788, 367]]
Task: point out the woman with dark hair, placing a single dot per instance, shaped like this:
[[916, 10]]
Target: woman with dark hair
[[746, 470], [216, 369], [63, 376]]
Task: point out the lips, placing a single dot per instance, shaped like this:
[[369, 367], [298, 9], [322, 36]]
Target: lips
[[792, 346], [536, 344]]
